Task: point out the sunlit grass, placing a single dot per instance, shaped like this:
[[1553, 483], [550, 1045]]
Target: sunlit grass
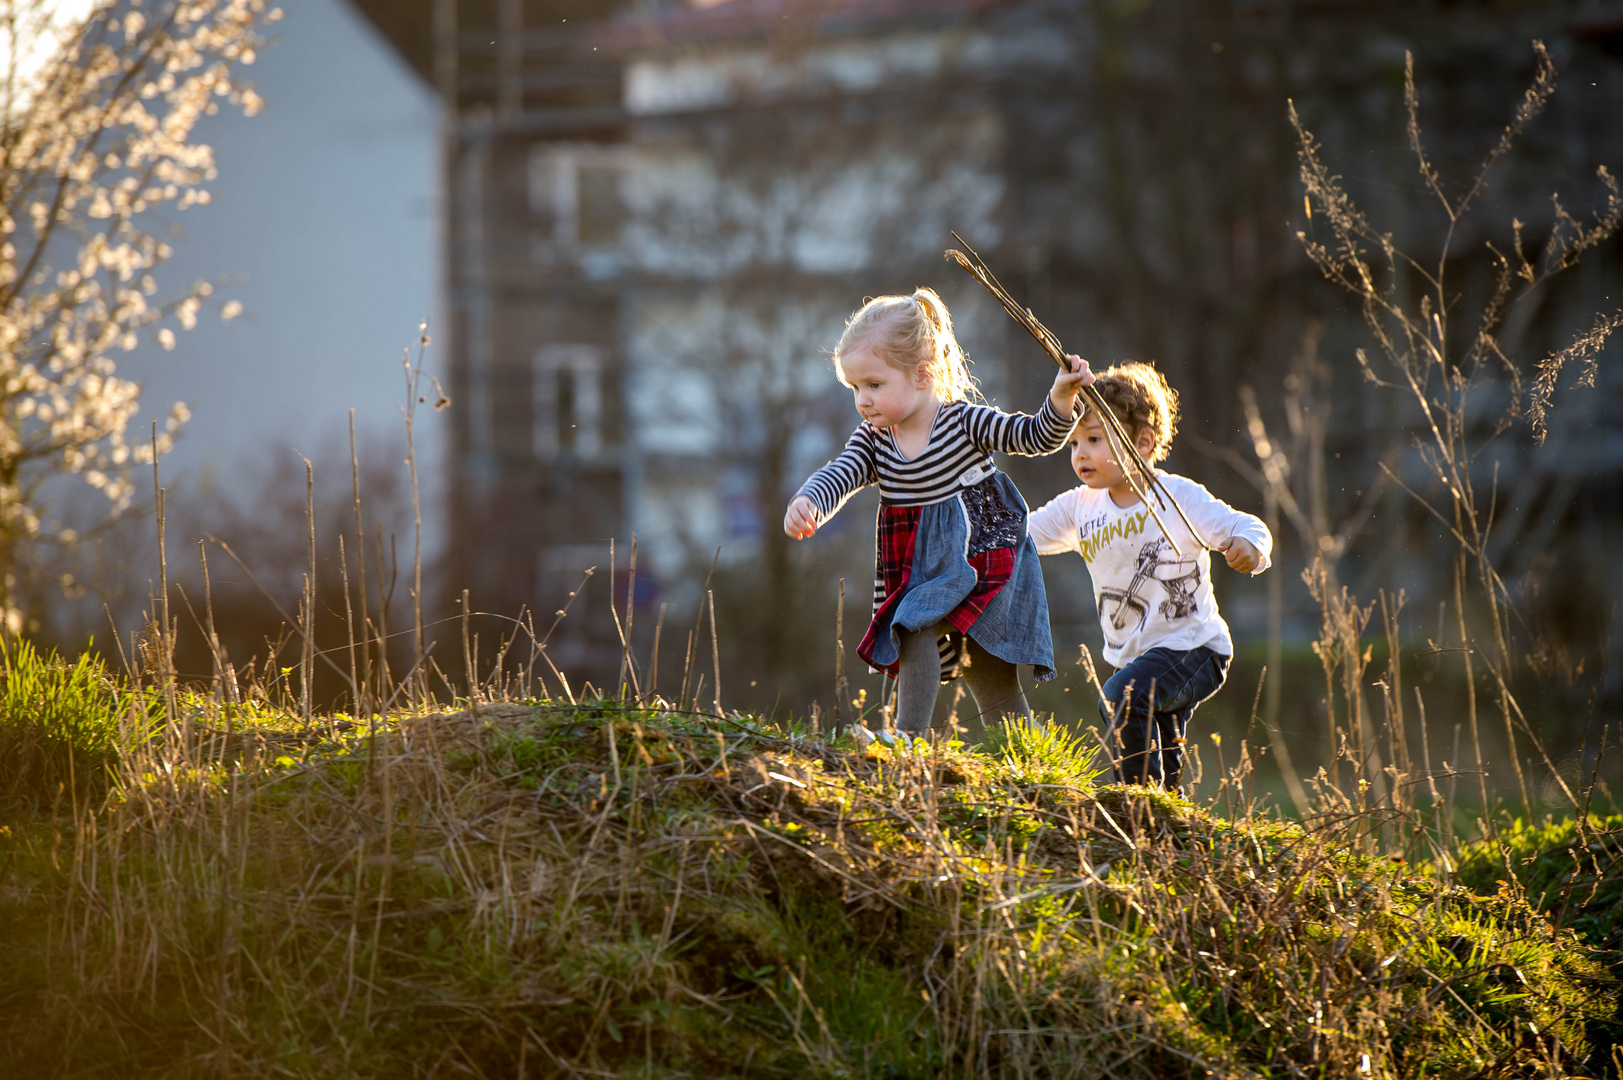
[[544, 888], [63, 724]]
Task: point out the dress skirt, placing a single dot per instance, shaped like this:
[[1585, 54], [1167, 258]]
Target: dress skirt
[[966, 562]]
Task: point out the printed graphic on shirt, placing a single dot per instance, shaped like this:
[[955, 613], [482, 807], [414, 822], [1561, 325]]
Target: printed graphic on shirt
[[1097, 537], [1180, 601], [1179, 578]]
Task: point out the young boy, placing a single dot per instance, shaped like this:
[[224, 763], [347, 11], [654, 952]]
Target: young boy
[[1163, 634]]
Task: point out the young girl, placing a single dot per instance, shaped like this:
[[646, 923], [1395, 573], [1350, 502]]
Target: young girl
[[1170, 647], [953, 559]]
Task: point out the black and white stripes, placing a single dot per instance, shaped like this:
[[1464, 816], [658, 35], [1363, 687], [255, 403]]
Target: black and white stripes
[[959, 453]]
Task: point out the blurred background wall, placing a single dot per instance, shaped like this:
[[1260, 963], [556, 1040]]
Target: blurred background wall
[[650, 218], [658, 215]]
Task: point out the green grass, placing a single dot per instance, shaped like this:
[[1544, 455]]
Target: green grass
[[1570, 869], [545, 889], [62, 724]]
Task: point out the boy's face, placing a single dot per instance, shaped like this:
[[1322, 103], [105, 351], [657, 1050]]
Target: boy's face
[[1092, 460]]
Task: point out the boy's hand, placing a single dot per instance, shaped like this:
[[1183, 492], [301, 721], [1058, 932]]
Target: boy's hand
[[1067, 384], [1242, 555], [800, 521]]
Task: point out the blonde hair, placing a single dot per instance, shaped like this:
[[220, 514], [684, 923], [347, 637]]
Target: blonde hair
[[1142, 400], [912, 334]]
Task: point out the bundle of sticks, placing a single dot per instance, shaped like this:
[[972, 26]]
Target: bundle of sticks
[[1140, 476]]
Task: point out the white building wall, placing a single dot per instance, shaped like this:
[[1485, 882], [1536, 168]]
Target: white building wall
[[323, 224]]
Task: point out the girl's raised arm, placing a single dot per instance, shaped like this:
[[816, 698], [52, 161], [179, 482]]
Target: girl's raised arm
[[1032, 436], [1017, 433]]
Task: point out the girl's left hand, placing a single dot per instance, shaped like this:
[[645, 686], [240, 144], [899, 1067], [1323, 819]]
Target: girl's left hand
[[1067, 384], [1242, 555]]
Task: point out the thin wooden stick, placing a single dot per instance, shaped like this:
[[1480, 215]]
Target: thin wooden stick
[[715, 648], [620, 679], [414, 379], [627, 668], [631, 605], [166, 641], [698, 621], [840, 688], [308, 664], [653, 662], [162, 609], [349, 623], [971, 261], [365, 676], [467, 650], [687, 666], [225, 677]]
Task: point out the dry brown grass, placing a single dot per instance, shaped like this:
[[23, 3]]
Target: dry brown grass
[[545, 889]]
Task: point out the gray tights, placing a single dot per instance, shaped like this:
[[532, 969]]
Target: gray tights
[[995, 683]]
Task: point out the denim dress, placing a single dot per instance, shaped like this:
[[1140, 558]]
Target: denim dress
[[967, 562]]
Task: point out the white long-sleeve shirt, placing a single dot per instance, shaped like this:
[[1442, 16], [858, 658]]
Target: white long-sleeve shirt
[[1146, 596]]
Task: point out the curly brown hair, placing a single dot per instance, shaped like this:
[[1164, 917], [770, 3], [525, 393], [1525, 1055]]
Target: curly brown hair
[[1142, 400]]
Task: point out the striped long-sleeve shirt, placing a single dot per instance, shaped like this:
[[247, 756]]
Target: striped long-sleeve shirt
[[959, 453]]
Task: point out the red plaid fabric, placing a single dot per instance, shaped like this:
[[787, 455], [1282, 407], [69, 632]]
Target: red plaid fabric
[[896, 533], [993, 569], [895, 536]]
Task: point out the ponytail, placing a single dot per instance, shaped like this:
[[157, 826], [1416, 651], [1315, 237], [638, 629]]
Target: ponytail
[[913, 334]]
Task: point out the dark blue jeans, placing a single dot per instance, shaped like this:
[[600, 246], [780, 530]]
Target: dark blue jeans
[[1157, 692]]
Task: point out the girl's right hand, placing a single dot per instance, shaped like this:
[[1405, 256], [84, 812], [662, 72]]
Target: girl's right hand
[[1069, 383], [800, 521]]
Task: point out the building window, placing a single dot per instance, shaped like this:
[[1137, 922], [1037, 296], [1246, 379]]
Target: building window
[[567, 410], [598, 210], [579, 188]]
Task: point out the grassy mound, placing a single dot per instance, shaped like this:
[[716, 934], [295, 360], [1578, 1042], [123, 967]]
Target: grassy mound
[[1570, 868], [592, 890]]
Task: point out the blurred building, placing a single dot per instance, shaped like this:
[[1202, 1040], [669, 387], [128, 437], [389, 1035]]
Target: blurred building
[[659, 213]]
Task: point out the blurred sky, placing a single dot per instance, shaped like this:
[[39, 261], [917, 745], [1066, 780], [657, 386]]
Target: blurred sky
[[40, 39], [324, 224]]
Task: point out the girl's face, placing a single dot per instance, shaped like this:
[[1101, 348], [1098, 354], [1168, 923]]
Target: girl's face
[[1093, 462], [885, 395]]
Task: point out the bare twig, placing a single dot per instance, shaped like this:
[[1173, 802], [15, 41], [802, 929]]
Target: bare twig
[[1122, 443]]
